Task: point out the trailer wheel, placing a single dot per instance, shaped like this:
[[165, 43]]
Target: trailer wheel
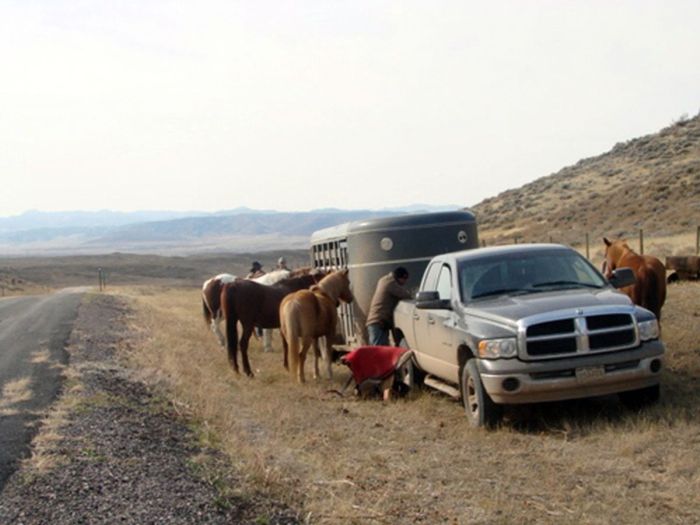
[[480, 409]]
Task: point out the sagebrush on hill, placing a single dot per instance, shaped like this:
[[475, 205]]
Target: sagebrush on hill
[[652, 182]]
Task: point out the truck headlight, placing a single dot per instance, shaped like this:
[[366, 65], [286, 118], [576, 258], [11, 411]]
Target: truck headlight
[[498, 348], [648, 330]]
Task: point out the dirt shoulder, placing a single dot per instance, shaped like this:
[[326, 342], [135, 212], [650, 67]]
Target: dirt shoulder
[[113, 450]]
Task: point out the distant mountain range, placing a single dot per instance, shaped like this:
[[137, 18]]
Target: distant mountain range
[[650, 183], [168, 232]]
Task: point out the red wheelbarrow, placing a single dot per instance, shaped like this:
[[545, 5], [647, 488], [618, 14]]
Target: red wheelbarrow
[[378, 370]]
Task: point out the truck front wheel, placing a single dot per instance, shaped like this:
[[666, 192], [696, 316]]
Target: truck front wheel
[[411, 375], [480, 409]]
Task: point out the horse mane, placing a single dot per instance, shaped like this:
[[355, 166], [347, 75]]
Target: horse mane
[[301, 271], [332, 284], [306, 280]]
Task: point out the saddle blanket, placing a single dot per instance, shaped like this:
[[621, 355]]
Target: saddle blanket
[[373, 362]]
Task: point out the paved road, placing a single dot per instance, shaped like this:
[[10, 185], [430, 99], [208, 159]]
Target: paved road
[[33, 333]]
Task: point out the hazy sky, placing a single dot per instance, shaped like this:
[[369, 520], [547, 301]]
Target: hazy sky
[[295, 105]]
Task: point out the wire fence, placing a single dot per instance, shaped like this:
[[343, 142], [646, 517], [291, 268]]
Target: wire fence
[[586, 245]]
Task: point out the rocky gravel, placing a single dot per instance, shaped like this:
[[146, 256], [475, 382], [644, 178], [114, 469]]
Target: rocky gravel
[[122, 453]]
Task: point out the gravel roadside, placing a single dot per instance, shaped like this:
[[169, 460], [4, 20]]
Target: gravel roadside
[[111, 450]]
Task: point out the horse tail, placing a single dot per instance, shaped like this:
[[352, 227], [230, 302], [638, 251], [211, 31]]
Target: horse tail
[[655, 291], [206, 311], [231, 320], [291, 331]]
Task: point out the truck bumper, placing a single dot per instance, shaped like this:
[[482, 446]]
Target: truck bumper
[[512, 381]]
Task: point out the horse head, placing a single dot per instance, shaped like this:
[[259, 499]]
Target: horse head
[[337, 286], [613, 253], [345, 291]]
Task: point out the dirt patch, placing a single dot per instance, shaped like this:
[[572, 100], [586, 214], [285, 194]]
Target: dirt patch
[[113, 450]]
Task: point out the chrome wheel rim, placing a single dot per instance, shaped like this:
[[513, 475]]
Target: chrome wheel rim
[[472, 400]]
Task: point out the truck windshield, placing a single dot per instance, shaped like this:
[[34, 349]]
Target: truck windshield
[[525, 272]]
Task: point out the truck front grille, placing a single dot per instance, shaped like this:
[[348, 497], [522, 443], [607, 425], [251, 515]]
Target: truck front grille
[[580, 334]]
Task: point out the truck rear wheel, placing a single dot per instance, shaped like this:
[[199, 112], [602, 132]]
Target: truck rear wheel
[[480, 409]]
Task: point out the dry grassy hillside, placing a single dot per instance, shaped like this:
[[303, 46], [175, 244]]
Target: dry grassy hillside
[[650, 183]]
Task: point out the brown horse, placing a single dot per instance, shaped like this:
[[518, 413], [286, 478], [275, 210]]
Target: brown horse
[[255, 304], [649, 289], [211, 298], [307, 315]]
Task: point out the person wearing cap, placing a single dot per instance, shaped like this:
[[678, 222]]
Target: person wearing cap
[[282, 264], [255, 271], [389, 291]]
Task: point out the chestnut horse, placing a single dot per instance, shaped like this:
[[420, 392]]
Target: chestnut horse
[[307, 315], [255, 304], [649, 289]]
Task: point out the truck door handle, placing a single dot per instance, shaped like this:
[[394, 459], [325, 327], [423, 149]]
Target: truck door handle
[[431, 320], [416, 317]]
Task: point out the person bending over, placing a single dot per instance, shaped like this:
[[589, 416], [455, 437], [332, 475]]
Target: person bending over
[[389, 291]]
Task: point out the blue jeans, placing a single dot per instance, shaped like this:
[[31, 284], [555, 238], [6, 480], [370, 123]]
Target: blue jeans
[[378, 336]]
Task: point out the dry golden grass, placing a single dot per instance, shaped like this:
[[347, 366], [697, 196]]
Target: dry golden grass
[[14, 393], [415, 460]]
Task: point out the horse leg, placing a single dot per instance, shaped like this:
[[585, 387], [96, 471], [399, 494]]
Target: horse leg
[[317, 355], [285, 351], [267, 340], [293, 352], [328, 355], [245, 337], [232, 341], [215, 322], [306, 343]]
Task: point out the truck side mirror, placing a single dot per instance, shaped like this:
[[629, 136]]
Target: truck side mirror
[[622, 277], [431, 301]]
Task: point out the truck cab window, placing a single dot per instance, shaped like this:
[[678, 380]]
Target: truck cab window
[[444, 285], [431, 275]]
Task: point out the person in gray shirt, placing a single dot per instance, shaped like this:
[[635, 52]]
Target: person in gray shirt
[[389, 291]]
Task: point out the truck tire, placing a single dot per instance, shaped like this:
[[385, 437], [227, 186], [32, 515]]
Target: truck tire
[[480, 409], [412, 376], [640, 398]]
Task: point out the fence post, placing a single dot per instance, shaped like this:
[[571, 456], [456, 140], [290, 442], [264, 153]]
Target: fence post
[[641, 241], [697, 241], [588, 247], [99, 278]]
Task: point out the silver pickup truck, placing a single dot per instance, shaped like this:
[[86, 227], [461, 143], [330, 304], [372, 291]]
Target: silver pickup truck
[[528, 323]]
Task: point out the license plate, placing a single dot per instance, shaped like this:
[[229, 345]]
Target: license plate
[[587, 374]]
